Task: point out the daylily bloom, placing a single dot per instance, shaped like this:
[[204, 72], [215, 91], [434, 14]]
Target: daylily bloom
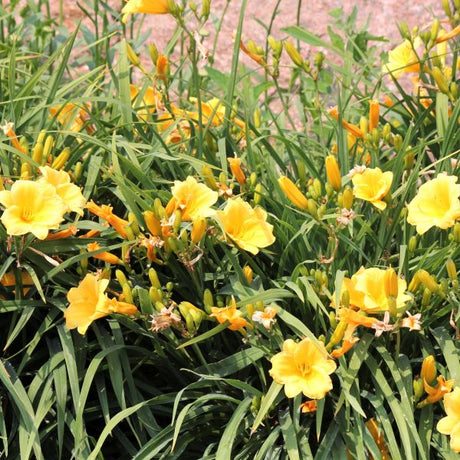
[[366, 289], [31, 207], [151, 101], [72, 117], [403, 58], [70, 193], [192, 198], [88, 303], [451, 423], [436, 393], [436, 204], [247, 227], [145, 6], [230, 314], [303, 367], [308, 406], [372, 185]]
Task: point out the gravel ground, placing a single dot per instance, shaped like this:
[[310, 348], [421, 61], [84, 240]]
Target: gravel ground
[[383, 16]]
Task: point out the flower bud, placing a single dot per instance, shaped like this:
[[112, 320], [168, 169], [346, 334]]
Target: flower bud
[[374, 114], [26, 171], [208, 301], [312, 208], [404, 30], [426, 297], [154, 280], [333, 173], [155, 294], [398, 142], [198, 229], [456, 233], [337, 335], [248, 273], [413, 242], [48, 147], [152, 223], [348, 197], [257, 194], [364, 124], [318, 191], [446, 7], [391, 283], [205, 9], [440, 79], [37, 153], [428, 372], [294, 195], [451, 269], [427, 280], [235, 167], [417, 385], [293, 53], [60, 161]]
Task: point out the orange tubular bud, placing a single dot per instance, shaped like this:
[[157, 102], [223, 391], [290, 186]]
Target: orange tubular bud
[[294, 195], [353, 129], [248, 273], [333, 173], [235, 167], [162, 67], [91, 234], [71, 231], [428, 372], [374, 115], [153, 223], [105, 256], [198, 229], [449, 35]]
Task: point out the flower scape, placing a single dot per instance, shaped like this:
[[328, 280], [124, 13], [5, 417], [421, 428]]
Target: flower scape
[[242, 262]]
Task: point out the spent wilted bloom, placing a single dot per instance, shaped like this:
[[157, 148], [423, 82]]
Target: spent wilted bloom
[[372, 185], [31, 207], [303, 367], [87, 302], [436, 204], [230, 314], [451, 423], [403, 58], [357, 169], [165, 319], [265, 317], [412, 322], [247, 227], [105, 212], [353, 129], [383, 326], [145, 6], [70, 193], [308, 406], [192, 198]]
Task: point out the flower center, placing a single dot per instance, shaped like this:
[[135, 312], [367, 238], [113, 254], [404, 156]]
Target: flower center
[[27, 214], [304, 369]]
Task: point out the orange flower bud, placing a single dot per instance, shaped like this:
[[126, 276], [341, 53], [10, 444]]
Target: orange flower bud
[[391, 283], [235, 167], [333, 173], [198, 229], [428, 372], [291, 191], [374, 115]]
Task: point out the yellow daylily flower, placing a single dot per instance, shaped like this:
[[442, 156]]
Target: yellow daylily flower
[[72, 116], [451, 423], [88, 303], [31, 207], [303, 367], [145, 6], [192, 198], [366, 291], [372, 185], [151, 101], [70, 193], [403, 59], [247, 227], [436, 204]]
